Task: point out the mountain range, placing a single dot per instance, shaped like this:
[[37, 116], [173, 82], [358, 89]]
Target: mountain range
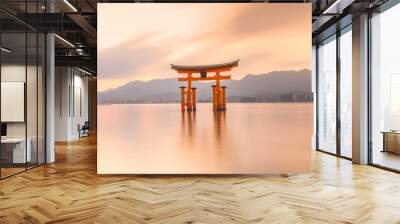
[[273, 86]]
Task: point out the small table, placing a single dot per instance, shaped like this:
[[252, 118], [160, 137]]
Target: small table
[[16, 153], [391, 141]]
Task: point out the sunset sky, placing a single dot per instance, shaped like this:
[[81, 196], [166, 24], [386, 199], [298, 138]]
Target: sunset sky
[[140, 41]]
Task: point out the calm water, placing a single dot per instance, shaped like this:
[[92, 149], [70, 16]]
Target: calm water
[[247, 138]]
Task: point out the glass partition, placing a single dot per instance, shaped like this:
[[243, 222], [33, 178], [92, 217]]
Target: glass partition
[[327, 95], [22, 88], [13, 95], [385, 89]]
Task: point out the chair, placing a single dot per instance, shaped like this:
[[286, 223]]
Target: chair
[[84, 130]]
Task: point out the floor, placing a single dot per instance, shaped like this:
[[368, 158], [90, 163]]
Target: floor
[[387, 159], [8, 171], [70, 191]]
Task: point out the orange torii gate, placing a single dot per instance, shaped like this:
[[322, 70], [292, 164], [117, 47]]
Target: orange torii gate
[[219, 92]]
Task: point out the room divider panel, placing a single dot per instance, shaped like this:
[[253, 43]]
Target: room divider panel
[[22, 87]]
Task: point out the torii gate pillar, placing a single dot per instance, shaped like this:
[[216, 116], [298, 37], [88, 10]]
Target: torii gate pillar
[[214, 97], [183, 94], [194, 98], [223, 98]]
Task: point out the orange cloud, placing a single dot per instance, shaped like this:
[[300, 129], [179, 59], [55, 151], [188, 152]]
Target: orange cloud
[[265, 37]]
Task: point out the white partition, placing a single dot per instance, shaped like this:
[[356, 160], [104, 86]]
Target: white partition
[[12, 101]]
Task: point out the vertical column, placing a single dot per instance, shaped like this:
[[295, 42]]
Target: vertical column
[[50, 92], [194, 98], [189, 93], [214, 97], [92, 88], [360, 90], [223, 96], [183, 98]]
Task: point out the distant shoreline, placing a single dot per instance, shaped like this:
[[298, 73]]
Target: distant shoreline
[[292, 102]]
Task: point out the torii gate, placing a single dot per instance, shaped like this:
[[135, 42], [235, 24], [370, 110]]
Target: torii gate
[[219, 92]]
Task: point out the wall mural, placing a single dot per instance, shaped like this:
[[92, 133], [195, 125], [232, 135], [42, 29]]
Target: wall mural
[[204, 88]]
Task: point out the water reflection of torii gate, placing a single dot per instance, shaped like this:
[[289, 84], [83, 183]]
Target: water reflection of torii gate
[[219, 92]]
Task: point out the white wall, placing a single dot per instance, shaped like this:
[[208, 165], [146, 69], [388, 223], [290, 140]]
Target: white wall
[[71, 94], [62, 82], [79, 104]]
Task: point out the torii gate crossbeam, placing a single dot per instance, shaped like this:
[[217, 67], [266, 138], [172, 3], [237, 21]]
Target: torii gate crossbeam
[[219, 92]]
